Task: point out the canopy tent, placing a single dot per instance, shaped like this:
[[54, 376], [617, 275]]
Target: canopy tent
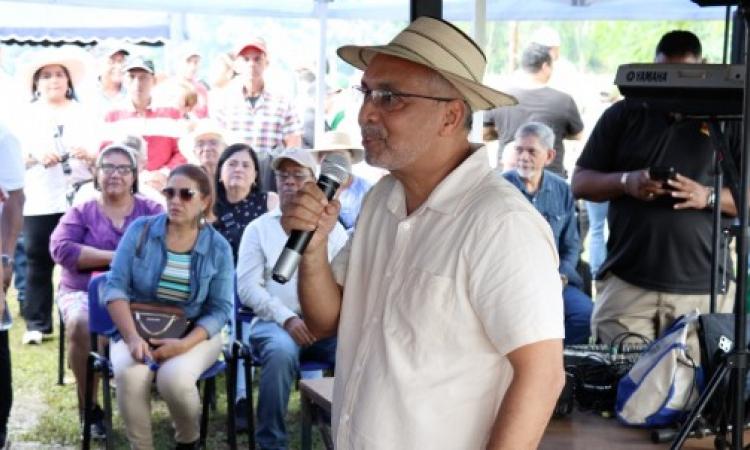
[[152, 21]]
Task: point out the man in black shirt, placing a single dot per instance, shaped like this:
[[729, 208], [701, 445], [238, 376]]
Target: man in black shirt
[[659, 248]]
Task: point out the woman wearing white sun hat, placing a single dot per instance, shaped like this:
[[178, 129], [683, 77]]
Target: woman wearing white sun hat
[[59, 147]]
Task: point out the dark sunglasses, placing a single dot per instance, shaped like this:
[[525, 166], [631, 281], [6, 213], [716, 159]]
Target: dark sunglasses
[[185, 194]]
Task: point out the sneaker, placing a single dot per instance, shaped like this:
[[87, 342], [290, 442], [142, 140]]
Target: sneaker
[[98, 430], [240, 415], [32, 337]]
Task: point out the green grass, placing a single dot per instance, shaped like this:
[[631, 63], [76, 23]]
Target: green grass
[[37, 395]]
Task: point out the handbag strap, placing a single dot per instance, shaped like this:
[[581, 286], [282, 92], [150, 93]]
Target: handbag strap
[[142, 238]]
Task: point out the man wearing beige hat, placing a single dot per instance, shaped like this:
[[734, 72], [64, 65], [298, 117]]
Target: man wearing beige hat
[[263, 120], [205, 144], [353, 190], [446, 300]]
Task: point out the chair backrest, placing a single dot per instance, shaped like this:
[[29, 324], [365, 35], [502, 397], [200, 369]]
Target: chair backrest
[[99, 320]]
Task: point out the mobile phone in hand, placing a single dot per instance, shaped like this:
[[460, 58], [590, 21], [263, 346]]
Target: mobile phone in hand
[[662, 173]]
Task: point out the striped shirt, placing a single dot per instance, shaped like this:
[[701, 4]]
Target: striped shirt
[[161, 127], [174, 284], [262, 126]]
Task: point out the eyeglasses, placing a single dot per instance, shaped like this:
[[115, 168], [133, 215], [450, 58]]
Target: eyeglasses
[[207, 143], [391, 101], [185, 194], [298, 176], [109, 169]]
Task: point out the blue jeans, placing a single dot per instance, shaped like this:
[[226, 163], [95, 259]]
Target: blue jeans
[[578, 308], [19, 269], [280, 358], [597, 244]]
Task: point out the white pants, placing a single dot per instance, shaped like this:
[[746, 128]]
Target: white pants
[[176, 382]]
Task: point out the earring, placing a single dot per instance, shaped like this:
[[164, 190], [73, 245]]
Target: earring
[[69, 93], [37, 94]]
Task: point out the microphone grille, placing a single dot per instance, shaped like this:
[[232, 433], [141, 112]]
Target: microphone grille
[[336, 167]]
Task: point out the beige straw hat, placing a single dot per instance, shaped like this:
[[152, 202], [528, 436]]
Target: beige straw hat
[[442, 47], [338, 140], [54, 56]]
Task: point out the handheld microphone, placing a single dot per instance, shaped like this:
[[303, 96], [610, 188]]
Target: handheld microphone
[[334, 170]]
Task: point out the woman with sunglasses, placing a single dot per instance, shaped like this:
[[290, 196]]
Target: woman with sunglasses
[[84, 241], [173, 259], [239, 199]]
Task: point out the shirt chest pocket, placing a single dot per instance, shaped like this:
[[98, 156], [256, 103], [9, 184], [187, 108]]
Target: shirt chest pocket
[[420, 315]]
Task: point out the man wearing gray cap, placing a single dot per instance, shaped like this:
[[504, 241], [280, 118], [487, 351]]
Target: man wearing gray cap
[[446, 300], [111, 87], [280, 337], [160, 126]]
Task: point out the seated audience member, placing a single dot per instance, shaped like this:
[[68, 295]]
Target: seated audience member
[[160, 126], [352, 191], [551, 196], [204, 145], [138, 147], [280, 337], [177, 260], [239, 199], [84, 241]]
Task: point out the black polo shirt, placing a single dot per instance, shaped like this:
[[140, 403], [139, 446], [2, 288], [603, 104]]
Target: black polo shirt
[[652, 245]]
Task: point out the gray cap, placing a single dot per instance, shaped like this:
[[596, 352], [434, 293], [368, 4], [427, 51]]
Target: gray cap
[[298, 155]]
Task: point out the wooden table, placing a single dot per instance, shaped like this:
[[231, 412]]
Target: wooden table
[[315, 396], [589, 431], [579, 431]]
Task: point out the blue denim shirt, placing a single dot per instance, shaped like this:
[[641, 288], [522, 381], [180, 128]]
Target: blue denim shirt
[[351, 201], [135, 274], [554, 201]]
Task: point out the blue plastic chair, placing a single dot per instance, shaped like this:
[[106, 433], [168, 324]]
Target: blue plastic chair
[[244, 314], [100, 324]]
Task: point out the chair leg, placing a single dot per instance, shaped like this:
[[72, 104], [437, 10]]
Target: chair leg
[[61, 352], [88, 403], [249, 411], [107, 401], [231, 381]]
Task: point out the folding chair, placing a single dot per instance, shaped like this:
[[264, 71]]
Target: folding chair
[[61, 350], [100, 323], [244, 314]]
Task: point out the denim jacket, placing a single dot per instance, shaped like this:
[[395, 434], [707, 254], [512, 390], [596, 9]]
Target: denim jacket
[[136, 270], [555, 203]]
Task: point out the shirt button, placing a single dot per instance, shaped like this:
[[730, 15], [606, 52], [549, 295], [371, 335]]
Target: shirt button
[[407, 226], [345, 418]]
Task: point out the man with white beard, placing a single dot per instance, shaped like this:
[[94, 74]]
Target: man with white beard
[[551, 196]]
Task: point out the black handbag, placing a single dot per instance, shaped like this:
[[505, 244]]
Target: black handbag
[[159, 321], [154, 320]]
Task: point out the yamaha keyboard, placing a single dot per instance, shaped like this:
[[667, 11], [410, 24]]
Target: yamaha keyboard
[[694, 90]]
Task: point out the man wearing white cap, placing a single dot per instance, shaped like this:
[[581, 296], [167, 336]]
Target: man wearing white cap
[[353, 190], [446, 300], [280, 338], [263, 120]]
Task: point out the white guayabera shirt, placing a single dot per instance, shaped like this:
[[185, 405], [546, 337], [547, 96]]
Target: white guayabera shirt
[[433, 303]]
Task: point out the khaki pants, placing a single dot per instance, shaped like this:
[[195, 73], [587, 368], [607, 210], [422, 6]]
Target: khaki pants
[[622, 307], [176, 382]]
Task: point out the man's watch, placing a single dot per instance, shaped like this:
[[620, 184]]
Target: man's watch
[[7, 261], [711, 200]]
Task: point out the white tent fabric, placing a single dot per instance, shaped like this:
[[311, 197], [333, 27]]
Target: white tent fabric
[[399, 9]]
